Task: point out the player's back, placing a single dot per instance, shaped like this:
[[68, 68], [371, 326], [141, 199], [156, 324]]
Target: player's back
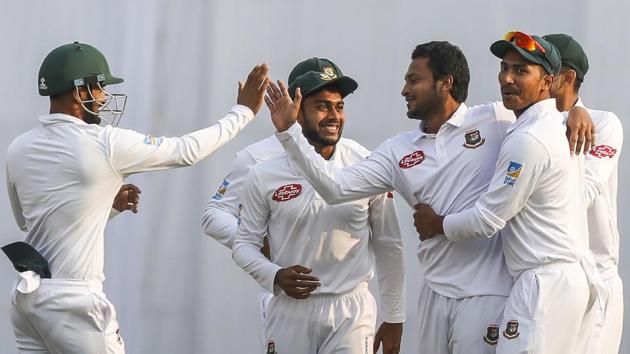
[[65, 187]]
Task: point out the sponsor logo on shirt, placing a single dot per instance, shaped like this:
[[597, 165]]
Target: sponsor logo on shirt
[[151, 140], [511, 329], [415, 158], [492, 335], [473, 139], [513, 172], [287, 192], [601, 151], [390, 195], [221, 191]]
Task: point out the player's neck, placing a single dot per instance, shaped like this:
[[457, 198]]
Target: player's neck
[[566, 101], [325, 151], [434, 120]]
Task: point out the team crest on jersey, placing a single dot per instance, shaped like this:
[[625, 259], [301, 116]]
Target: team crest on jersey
[[151, 140], [287, 192], [473, 139], [328, 74], [221, 191], [492, 335], [415, 158], [513, 172], [601, 151], [511, 330], [271, 347]]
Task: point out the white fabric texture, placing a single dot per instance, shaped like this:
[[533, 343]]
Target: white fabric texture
[[457, 326]]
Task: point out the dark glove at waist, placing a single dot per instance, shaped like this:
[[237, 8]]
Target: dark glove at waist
[[24, 257]]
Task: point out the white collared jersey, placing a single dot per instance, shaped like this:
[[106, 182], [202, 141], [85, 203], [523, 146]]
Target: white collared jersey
[[221, 216], [340, 243], [531, 197], [63, 175], [601, 190], [447, 170]]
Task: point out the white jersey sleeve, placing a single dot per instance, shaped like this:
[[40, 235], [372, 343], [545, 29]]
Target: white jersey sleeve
[[366, 178], [131, 152], [249, 238], [15, 203], [603, 158], [387, 244], [520, 163], [222, 215]]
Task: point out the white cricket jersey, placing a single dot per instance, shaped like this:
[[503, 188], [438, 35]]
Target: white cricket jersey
[[340, 243], [447, 170], [62, 177], [531, 196], [601, 190], [221, 216]]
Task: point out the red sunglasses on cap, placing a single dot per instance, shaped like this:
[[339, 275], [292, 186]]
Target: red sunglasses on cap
[[523, 40]]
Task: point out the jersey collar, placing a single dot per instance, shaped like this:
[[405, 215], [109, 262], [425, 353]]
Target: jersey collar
[[533, 111], [456, 120], [56, 118]]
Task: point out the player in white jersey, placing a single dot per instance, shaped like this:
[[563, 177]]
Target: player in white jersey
[[531, 198], [62, 177], [222, 214], [601, 191], [447, 162], [322, 255]]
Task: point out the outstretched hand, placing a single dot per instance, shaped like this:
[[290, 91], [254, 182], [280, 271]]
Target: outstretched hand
[[251, 93], [284, 110]]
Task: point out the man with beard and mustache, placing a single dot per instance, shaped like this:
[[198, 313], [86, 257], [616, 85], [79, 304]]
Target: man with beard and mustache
[[447, 163], [321, 255], [62, 178], [601, 180], [536, 199]]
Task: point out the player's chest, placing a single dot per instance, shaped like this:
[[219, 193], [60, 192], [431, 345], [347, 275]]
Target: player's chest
[[455, 157]]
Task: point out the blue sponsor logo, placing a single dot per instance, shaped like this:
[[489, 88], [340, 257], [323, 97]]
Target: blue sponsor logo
[[513, 172], [221, 191]]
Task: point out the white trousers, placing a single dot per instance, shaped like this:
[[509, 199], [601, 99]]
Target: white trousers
[[609, 324], [458, 326], [545, 311], [64, 317], [321, 324]]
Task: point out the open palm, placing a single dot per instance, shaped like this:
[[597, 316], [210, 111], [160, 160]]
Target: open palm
[[284, 110]]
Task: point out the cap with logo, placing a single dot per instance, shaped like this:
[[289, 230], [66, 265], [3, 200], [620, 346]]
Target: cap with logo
[[73, 65], [571, 52], [533, 48], [312, 75]]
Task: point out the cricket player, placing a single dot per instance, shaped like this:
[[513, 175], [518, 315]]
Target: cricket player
[[62, 177], [532, 198], [447, 163], [322, 255], [601, 191]]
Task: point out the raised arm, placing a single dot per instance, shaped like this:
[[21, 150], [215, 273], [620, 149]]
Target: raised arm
[[132, 152]]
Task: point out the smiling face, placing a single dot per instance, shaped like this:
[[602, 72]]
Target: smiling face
[[322, 118], [522, 83], [421, 90]]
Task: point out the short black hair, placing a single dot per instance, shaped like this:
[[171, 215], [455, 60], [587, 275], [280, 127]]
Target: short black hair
[[446, 59]]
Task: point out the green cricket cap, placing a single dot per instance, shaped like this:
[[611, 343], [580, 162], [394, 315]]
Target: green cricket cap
[[72, 65], [571, 53], [548, 57], [314, 74]]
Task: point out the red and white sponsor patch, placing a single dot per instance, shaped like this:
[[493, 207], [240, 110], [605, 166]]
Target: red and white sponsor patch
[[415, 158], [287, 192], [601, 151]]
